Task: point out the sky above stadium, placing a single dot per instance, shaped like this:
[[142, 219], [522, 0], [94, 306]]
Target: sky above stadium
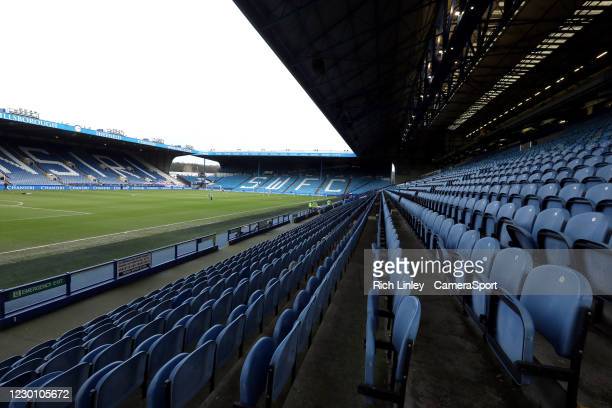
[[188, 71]]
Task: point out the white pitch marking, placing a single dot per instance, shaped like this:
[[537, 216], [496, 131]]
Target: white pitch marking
[[17, 203], [143, 229], [42, 218], [20, 205]]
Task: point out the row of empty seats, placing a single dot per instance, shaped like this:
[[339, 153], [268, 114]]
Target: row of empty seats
[[305, 185], [402, 313], [200, 322], [273, 361], [27, 164]]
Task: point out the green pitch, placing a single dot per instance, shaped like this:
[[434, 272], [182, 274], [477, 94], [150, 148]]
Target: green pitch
[[48, 232]]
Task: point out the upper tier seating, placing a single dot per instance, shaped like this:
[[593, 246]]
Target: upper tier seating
[[35, 165]]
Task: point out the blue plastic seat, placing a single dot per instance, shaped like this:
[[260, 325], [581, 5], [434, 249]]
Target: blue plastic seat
[[552, 219], [523, 219], [467, 242], [241, 293], [283, 325], [568, 192], [36, 383], [586, 230], [597, 198], [301, 300], [210, 334], [146, 331], [163, 349], [439, 239], [158, 390], [221, 308], [255, 281], [489, 218], [312, 285], [509, 269], [73, 378], [485, 250], [405, 329], [254, 316], [122, 381], [282, 364], [84, 396], [141, 318], [555, 302], [229, 341], [118, 351], [25, 366], [238, 310], [454, 235], [109, 336], [253, 376], [271, 298], [98, 329], [199, 300], [182, 378], [195, 326]]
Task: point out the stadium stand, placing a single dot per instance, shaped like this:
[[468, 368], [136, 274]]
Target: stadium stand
[[553, 196], [201, 322], [479, 131], [35, 165], [330, 185]]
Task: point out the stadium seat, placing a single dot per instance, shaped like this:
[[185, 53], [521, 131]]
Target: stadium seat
[[402, 339], [555, 301], [253, 376]]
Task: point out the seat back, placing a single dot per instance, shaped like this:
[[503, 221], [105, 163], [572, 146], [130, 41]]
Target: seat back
[[553, 219], [254, 316], [590, 227], [191, 374], [221, 308], [301, 300], [283, 325], [509, 269], [283, 362], [84, 397], [405, 329], [254, 372], [557, 298], [121, 382], [454, 235], [63, 361], [485, 250], [195, 326], [163, 349], [117, 351], [229, 341], [73, 378]]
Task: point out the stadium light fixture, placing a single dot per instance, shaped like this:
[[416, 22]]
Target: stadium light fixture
[[547, 87], [578, 68], [560, 80], [603, 54]]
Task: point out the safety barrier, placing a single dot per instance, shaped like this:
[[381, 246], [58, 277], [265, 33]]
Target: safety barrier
[[26, 301]]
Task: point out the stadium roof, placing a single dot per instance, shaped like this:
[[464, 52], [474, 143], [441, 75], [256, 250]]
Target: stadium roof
[[11, 120], [277, 153], [413, 78]]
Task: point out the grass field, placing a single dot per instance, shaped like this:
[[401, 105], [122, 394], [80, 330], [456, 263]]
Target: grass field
[[48, 232]]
